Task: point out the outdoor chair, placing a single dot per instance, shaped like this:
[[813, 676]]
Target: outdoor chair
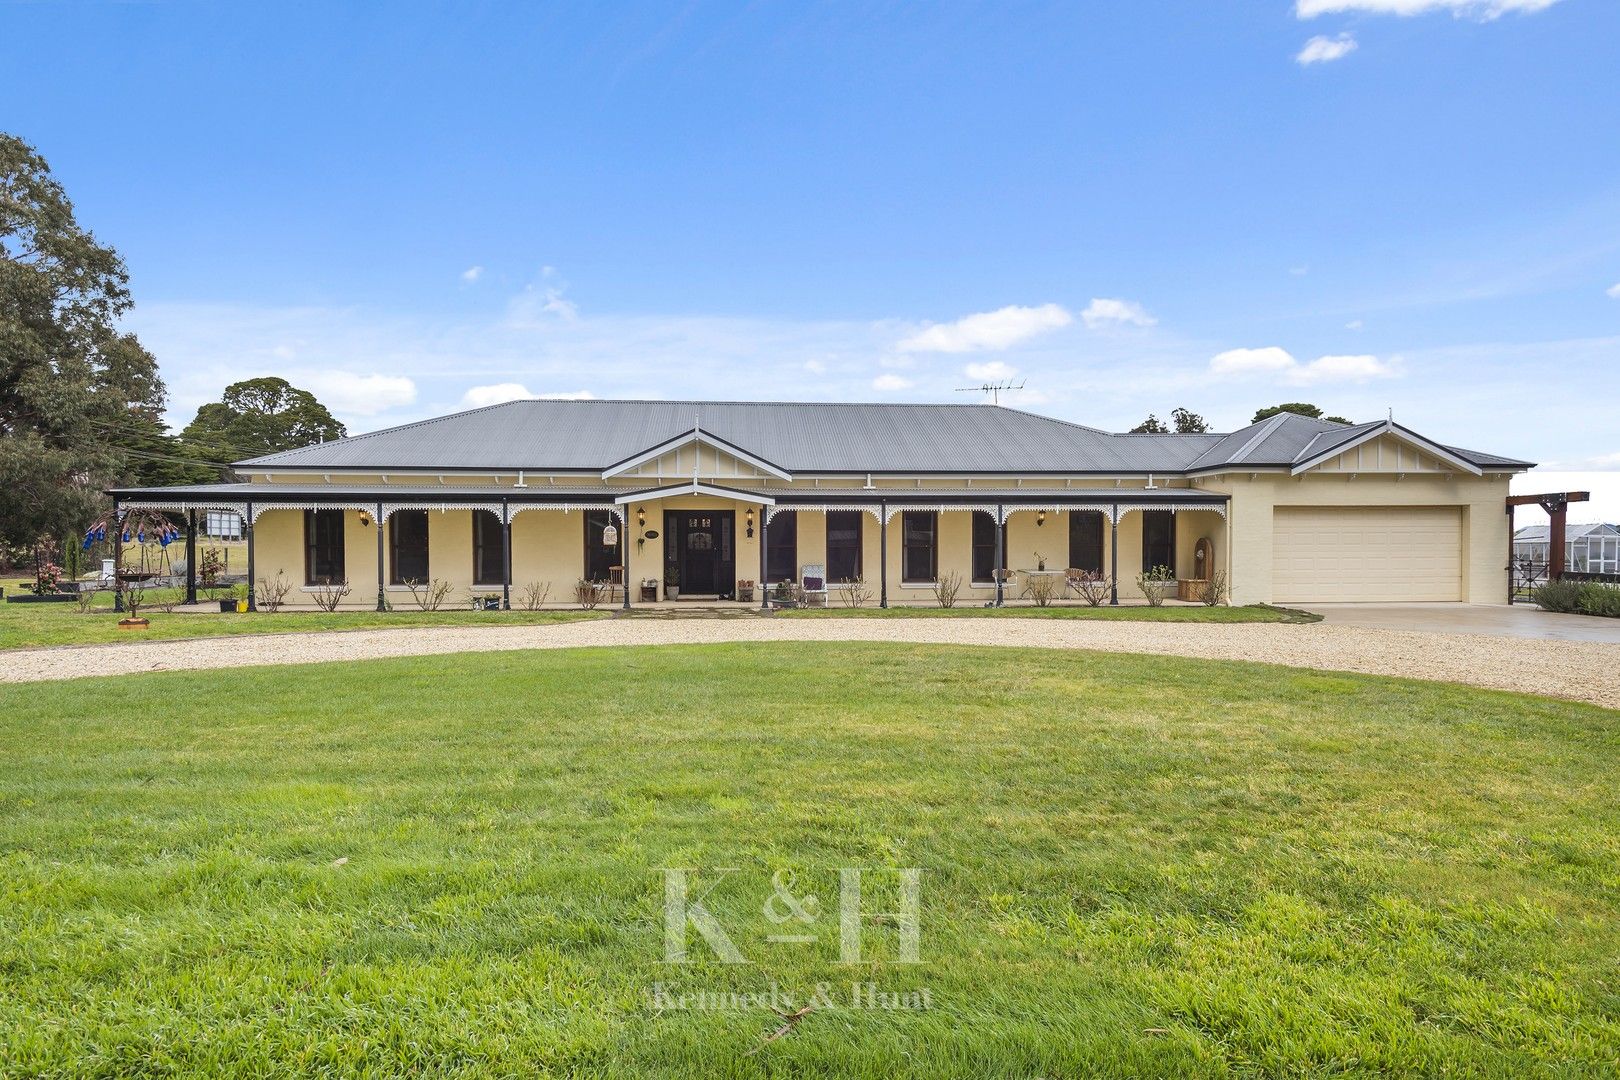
[[813, 584]]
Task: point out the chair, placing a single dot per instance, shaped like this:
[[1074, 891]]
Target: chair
[[813, 584]]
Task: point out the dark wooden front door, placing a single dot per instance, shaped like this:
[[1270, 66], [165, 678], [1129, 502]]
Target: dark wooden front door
[[702, 551]]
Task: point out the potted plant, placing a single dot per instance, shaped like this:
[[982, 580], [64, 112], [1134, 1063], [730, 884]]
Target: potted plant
[[745, 590], [672, 583], [1156, 584], [226, 597], [1040, 561]]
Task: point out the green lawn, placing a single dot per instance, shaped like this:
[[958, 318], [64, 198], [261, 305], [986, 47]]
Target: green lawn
[[29, 625], [1130, 866], [1125, 612]]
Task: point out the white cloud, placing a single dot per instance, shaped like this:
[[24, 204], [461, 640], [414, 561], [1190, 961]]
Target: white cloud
[[479, 396], [999, 329], [1103, 312], [1613, 291], [1353, 324], [1322, 49], [815, 367], [1279, 362], [542, 301], [1480, 9], [890, 382], [1252, 361], [995, 369], [357, 395], [472, 274]]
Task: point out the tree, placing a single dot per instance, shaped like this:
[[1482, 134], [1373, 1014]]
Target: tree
[[70, 384], [1187, 422], [1151, 426], [1301, 407], [256, 417]]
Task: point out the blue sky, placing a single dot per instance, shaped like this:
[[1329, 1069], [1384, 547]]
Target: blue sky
[[1371, 204]]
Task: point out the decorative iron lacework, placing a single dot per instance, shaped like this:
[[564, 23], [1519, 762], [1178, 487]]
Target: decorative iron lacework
[[987, 508], [260, 509], [518, 508], [388, 508], [239, 509], [1106, 509], [772, 511], [1173, 507]]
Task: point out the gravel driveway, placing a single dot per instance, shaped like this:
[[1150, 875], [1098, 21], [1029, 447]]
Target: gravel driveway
[[1583, 671]]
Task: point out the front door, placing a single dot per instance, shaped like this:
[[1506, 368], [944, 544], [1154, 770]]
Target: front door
[[703, 554]]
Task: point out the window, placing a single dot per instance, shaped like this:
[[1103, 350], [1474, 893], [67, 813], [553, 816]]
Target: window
[[1158, 539], [843, 545], [919, 545], [1086, 540], [782, 548], [408, 546], [984, 547], [489, 549], [323, 547], [599, 558]]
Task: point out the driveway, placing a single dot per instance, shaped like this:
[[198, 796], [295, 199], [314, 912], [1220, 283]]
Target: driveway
[[1496, 620], [1582, 670]]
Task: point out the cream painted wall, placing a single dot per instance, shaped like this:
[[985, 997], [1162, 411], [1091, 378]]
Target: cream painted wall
[[1254, 498]]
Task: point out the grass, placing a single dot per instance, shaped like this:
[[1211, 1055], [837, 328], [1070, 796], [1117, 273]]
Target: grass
[[33, 625], [1131, 866], [1200, 613]]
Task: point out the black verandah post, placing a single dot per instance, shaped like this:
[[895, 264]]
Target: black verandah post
[[382, 601], [764, 536], [506, 570], [883, 553], [624, 553], [191, 556], [996, 571], [253, 589], [1113, 556], [118, 557]]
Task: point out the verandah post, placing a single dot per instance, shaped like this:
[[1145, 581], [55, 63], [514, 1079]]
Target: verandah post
[[191, 556], [1113, 556], [118, 557], [506, 558], [764, 537], [253, 589], [624, 553], [995, 571], [883, 553], [382, 601]]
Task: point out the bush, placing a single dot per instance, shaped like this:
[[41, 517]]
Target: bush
[[1579, 598], [1215, 588], [946, 586]]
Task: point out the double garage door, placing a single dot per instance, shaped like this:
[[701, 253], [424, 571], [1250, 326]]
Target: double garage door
[[1381, 554]]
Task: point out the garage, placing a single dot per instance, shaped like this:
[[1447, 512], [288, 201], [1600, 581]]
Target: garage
[[1366, 553]]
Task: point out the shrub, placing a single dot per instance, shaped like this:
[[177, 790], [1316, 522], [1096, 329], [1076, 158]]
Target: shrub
[[1094, 588], [273, 592], [855, 591], [1044, 588], [1152, 583], [1599, 599], [47, 578], [210, 566], [1560, 596], [1215, 588], [328, 595], [587, 594], [428, 594], [946, 587], [534, 595]]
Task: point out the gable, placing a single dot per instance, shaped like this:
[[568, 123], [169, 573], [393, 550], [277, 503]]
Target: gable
[[1387, 453], [695, 459]]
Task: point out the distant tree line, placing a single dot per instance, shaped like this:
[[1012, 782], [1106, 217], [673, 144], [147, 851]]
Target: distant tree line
[[1185, 422]]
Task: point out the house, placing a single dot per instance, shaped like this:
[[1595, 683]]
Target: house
[[701, 495], [1589, 549]]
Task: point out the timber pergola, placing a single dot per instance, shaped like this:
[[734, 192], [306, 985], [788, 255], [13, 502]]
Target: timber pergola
[[1556, 504]]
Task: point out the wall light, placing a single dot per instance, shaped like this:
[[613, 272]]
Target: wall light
[[1040, 519], [641, 519], [749, 520]]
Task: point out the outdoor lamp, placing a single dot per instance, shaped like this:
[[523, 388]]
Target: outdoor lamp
[[749, 520], [1040, 519], [365, 520], [641, 519]]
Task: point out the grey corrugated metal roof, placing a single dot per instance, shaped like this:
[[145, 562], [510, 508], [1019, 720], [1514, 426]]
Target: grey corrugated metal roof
[[1538, 533], [802, 438]]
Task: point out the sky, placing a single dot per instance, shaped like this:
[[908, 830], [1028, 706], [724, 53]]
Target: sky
[[1385, 207]]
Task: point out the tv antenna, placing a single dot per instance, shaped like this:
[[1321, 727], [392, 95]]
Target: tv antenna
[[994, 389]]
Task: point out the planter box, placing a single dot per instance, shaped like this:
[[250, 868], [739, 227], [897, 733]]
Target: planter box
[[133, 624], [1191, 589], [48, 598]]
